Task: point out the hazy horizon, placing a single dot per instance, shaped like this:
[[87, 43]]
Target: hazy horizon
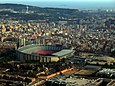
[[73, 4]]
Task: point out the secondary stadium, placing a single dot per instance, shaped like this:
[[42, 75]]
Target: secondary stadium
[[43, 53]]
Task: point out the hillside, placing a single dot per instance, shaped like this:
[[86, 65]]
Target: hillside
[[40, 13]]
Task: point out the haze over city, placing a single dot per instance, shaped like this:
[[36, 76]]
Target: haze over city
[[73, 4]]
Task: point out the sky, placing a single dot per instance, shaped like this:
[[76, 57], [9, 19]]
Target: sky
[[77, 4], [58, 0]]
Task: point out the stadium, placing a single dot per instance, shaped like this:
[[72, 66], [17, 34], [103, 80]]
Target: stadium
[[43, 53]]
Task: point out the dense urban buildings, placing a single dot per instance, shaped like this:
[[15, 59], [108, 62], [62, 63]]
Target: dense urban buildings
[[56, 47]]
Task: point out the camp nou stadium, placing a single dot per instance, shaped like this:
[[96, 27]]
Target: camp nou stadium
[[43, 53]]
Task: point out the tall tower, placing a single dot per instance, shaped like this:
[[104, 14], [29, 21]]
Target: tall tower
[[27, 9]]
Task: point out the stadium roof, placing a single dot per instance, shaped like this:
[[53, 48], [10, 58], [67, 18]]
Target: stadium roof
[[62, 52]]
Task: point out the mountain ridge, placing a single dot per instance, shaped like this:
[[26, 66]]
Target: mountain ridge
[[36, 13]]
